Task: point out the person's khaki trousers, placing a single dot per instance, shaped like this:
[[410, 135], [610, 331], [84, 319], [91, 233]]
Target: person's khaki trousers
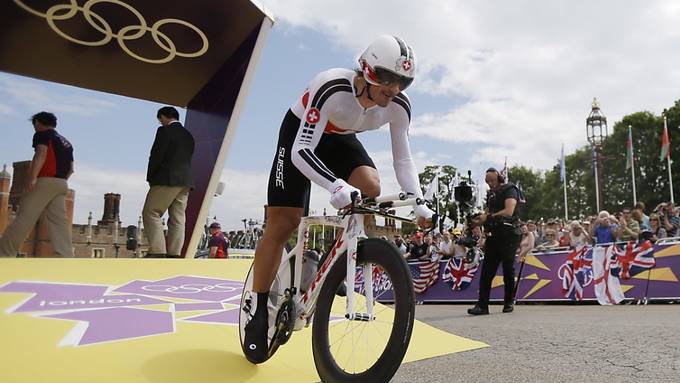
[[159, 200], [49, 195]]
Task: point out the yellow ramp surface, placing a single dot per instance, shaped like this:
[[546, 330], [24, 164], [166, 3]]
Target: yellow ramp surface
[[147, 320]]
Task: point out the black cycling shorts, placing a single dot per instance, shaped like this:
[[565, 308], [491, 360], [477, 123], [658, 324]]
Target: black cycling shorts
[[341, 153]]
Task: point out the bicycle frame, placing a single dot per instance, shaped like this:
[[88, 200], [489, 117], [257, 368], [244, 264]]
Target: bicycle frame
[[352, 226]]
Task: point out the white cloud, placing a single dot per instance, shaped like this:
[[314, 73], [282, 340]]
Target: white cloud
[[526, 72], [91, 183], [36, 96], [6, 109]]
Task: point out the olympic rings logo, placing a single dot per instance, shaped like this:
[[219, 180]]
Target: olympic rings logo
[[190, 288], [62, 12]]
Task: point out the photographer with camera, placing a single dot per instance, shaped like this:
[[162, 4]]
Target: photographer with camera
[[669, 219], [503, 238]]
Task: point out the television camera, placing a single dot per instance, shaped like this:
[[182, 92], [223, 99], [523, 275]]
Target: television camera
[[465, 196]]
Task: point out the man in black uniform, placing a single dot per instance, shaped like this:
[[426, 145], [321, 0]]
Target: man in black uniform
[[503, 237]]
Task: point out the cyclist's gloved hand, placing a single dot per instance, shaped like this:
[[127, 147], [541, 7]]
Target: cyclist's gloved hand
[[341, 193], [422, 211]]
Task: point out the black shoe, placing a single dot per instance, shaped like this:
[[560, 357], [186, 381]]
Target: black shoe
[[477, 310], [152, 255], [508, 308], [255, 345]]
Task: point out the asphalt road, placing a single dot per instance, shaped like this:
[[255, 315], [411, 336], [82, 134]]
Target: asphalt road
[[555, 343]]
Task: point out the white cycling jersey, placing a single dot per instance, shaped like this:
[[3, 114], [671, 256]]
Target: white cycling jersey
[[330, 105]]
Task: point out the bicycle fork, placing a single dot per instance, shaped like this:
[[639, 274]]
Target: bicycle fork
[[355, 230]]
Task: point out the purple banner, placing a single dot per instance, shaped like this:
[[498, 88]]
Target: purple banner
[[542, 279]]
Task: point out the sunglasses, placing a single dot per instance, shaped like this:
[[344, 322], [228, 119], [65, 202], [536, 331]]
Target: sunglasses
[[386, 77]]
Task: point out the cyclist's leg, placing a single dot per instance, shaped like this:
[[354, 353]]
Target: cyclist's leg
[[281, 222], [287, 193], [366, 179]]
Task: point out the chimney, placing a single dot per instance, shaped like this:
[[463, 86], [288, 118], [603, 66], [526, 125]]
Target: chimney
[[5, 179], [111, 209]]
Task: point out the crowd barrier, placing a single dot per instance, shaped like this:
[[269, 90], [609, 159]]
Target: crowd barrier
[[542, 279]]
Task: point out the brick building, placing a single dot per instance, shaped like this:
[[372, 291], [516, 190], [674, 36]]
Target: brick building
[[107, 238]]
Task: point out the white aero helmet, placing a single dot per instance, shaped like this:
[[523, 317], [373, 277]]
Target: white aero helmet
[[388, 60]]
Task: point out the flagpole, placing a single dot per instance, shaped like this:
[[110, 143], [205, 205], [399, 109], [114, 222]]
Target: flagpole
[[668, 160], [670, 179], [632, 163], [564, 183], [566, 209]]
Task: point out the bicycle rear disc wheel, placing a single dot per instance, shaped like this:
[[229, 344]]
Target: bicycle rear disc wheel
[[364, 351], [281, 282]]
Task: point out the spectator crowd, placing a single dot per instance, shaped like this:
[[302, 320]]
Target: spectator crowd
[[629, 224]]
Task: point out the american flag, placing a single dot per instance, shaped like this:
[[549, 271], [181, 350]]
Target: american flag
[[459, 273], [381, 281], [576, 272], [632, 258], [424, 275]]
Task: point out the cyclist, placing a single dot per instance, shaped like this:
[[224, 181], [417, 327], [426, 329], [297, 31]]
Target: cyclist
[[317, 142]]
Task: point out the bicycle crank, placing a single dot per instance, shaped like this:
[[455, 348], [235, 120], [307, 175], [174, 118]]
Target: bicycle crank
[[285, 321]]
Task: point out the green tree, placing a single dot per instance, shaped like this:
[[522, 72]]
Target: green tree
[[447, 205], [531, 183]]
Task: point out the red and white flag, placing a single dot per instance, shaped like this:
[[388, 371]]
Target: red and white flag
[[607, 287]]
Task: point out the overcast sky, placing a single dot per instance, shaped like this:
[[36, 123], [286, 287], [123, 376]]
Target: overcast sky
[[494, 79]]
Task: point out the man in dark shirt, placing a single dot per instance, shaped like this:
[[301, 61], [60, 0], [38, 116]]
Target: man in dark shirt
[[169, 177], [417, 249], [45, 191], [218, 243], [504, 235]]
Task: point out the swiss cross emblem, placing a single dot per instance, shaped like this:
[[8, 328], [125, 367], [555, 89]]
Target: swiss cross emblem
[[406, 65], [313, 116]]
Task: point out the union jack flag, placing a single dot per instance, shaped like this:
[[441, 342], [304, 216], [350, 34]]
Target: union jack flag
[[577, 272], [424, 275], [632, 258], [459, 273]]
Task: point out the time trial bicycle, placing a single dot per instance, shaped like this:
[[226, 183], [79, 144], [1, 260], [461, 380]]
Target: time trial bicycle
[[354, 338]]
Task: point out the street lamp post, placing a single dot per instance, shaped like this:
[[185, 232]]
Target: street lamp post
[[596, 130]]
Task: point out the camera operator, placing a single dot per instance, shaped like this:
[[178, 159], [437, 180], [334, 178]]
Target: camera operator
[[503, 237]]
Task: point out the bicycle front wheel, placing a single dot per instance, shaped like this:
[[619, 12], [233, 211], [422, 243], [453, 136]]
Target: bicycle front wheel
[[364, 350]]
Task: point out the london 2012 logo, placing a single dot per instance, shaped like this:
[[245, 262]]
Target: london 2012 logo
[[104, 313], [63, 12]]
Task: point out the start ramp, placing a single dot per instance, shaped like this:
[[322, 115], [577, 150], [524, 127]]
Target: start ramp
[[148, 320]]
